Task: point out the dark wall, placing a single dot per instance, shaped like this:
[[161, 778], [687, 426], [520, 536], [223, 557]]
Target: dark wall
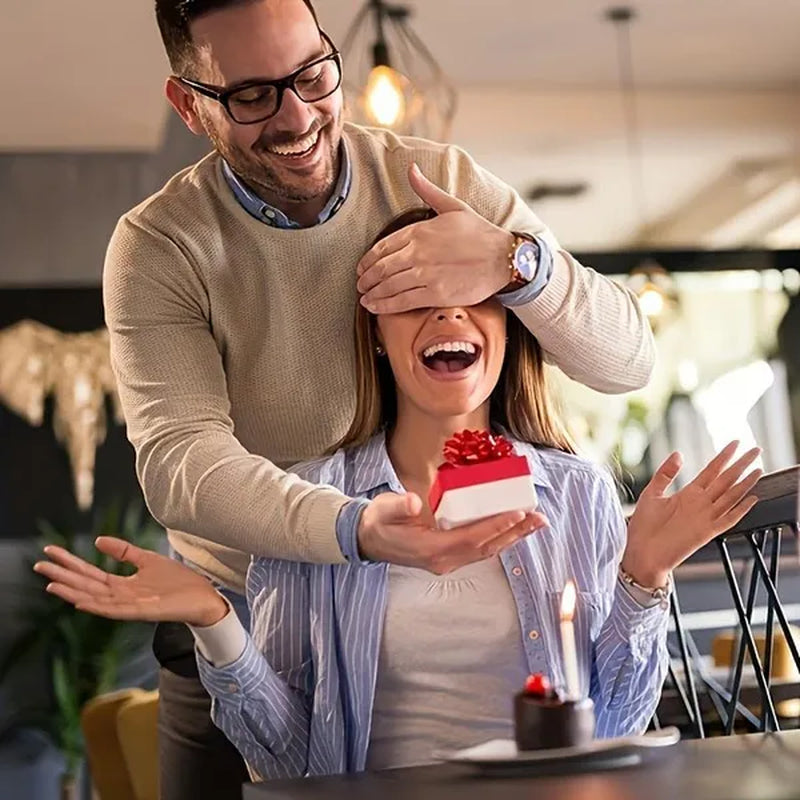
[[35, 476], [57, 210]]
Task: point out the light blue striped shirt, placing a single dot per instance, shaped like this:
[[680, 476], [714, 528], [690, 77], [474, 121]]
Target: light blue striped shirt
[[299, 699]]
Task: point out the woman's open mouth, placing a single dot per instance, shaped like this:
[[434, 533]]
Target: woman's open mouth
[[449, 359]]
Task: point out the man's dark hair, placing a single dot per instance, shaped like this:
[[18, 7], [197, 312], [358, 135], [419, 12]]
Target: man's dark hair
[[175, 17]]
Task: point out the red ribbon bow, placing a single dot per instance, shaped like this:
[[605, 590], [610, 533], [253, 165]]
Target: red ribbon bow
[[475, 447]]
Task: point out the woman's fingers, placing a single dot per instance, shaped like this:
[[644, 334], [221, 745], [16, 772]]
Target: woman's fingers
[[732, 474], [736, 493], [105, 606], [71, 578], [712, 470], [665, 474], [727, 521], [716, 526], [121, 550], [69, 593], [74, 563]]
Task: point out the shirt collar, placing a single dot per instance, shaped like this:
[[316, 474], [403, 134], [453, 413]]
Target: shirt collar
[[373, 469], [274, 217]]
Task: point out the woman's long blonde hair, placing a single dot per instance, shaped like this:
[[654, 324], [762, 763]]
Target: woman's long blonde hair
[[521, 402]]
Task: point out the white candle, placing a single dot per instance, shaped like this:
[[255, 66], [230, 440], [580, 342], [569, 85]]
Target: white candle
[[568, 649]]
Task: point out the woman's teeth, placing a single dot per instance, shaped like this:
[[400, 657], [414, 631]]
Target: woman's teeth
[[298, 148], [449, 347]]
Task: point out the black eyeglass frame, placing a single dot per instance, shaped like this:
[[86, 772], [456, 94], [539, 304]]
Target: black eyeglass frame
[[223, 96]]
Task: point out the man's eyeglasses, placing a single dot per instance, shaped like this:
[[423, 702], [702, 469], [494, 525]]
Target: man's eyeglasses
[[259, 100]]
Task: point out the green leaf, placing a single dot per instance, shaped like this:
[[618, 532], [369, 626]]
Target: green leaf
[[64, 689], [84, 651], [107, 674]]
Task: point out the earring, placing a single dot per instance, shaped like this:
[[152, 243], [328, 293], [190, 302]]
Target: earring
[[379, 351]]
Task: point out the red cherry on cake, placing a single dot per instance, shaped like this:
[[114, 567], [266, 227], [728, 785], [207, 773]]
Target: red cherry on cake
[[537, 685]]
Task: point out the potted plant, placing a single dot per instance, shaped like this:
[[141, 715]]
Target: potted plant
[[83, 653]]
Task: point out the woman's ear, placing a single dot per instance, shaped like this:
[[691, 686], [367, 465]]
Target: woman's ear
[[376, 331], [376, 337]]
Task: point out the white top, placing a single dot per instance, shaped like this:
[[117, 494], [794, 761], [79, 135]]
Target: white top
[[429, 696], [223, 642]]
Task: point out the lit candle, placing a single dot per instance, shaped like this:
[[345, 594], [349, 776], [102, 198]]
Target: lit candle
[[568, 642]]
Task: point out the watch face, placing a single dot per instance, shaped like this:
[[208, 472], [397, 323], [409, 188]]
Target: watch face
[[525, 259]]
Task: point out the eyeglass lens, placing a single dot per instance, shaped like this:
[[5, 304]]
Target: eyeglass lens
[[260, 101]]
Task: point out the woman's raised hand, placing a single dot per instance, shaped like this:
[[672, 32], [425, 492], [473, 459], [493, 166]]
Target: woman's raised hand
[[161, 589], [665, 530]]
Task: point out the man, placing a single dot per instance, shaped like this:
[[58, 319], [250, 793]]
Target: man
[[230, 294]]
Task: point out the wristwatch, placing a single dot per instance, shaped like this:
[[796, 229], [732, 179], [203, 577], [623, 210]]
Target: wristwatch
[[523, 260]]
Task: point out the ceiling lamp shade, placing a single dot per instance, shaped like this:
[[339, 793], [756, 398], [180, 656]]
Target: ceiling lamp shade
[[391, 78]]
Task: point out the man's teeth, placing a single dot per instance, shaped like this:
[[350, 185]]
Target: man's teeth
[[294, 149], [449, 347]]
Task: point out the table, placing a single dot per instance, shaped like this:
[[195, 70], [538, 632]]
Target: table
[[761, 766]]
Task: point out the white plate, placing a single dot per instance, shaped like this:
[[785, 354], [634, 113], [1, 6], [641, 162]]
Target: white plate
[[504, 753]]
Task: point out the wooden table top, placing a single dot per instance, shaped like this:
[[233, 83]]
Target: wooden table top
[[751, 767]]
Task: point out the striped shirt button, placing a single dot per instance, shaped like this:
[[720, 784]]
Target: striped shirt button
[[533, 635], [517, 571]]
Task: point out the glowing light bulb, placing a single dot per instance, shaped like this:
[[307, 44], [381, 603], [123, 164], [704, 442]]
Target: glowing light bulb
[[651, 301], [383, 97]]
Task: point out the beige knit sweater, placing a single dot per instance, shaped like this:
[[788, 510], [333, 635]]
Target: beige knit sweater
[[232, 344]]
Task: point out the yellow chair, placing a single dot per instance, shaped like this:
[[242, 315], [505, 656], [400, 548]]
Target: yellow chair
[[106, 760], [723, 651], [137, 730]]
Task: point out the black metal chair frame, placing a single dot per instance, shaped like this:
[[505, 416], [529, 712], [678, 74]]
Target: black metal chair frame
[[726, 699]]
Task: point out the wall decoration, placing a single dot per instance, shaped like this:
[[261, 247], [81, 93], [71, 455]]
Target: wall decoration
[[37, 361]]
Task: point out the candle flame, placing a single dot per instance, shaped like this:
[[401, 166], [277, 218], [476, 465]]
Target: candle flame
[[568, 598]]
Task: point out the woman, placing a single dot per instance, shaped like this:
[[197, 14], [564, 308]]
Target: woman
[[366, 665]]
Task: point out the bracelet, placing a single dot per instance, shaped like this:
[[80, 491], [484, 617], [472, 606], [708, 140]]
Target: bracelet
[[659, 593]]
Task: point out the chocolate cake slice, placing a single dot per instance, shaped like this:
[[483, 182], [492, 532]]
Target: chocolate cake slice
[[542, 720]]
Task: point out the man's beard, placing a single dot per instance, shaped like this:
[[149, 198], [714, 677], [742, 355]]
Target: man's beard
[[263, 177]]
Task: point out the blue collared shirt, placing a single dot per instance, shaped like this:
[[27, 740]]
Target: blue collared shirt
[[299, 699], [273, 216]]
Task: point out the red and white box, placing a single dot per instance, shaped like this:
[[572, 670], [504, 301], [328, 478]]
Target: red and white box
[[481, 477]]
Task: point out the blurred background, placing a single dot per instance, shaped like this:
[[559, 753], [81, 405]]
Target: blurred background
[[660, 142]]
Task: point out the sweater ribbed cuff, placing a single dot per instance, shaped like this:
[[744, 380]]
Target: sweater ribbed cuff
[[320, 524]]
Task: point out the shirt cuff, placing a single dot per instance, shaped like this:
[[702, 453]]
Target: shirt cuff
[[347, 529], [634, 623], [642, 598], [223, 642], [529, 292]]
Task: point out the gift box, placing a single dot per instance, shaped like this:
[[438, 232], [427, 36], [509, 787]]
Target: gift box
[[481, 477]]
